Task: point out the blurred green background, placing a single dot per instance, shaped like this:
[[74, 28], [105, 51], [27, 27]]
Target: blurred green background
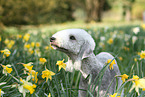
[[36, 12], [120, 20]]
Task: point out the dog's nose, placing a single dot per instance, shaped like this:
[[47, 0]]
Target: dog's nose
[[52, 39]]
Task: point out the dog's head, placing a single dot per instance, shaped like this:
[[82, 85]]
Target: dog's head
[[73, 41]]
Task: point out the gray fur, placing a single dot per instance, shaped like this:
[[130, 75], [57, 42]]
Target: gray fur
[[81, 57]]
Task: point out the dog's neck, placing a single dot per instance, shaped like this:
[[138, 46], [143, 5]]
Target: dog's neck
[[83, 65]]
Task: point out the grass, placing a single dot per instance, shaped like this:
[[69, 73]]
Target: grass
[[65, 84]]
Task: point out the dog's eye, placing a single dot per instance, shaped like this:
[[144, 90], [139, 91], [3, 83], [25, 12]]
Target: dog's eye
[[72, 37]]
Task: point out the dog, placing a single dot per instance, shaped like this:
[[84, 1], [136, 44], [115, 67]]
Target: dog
[[78, 45]]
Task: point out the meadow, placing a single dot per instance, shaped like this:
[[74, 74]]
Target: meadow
[[30, 67]]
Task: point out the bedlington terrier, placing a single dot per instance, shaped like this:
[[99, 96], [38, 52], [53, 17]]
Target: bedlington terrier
[[79, 46]]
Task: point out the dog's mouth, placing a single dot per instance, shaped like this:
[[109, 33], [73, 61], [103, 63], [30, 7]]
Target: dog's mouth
[[55, 46]]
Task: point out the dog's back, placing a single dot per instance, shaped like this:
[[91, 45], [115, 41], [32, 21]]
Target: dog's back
[[103, 57]]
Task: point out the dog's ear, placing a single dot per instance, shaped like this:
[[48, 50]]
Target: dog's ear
[[86, 49]]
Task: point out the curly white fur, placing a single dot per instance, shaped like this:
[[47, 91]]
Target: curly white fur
[[79, 46]]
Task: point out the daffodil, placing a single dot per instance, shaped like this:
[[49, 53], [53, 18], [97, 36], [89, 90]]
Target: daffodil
[[111, 62], [114, 95], [134, 39], [6, 41], [37, 44], [143, 26], [120, 58], [136, 30], [124, 77], [5, 52], [26, 37], [26, 87], [7, 69], [32, 44], [28, 66], [138, 83], [27, 46], [37, 52], [135, 59], [110, 41], [142, 54], [42, 60], [46, 47], [101, 44], [1, 92], [0, 38], [49, 95], [30, 50], [10, 44], [61, 65], [19, 36], [48, 74], [33, 75]]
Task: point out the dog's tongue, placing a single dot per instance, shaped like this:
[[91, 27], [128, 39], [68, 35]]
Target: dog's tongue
[[54, 47]]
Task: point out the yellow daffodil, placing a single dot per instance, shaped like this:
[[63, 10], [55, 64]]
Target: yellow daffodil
[[135, 77], [42, 60], [123, 77], [6, 41], [30, 50], [120, 58], [0, 38], [5, 52], [46, 47], [28, 66], [61, 65], [33, 75], [143, 26], [49, 95], [32, 44], [142, 54], [37, 44], [1, 92], [27, 46], [26, 37], [48, 74], [114, 95], [109, 61], [7, 69], [138, 83], [19, 36], [135, 59], [26, 87], [110, 41], [10, 44]]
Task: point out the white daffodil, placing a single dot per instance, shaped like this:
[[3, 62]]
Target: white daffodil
[[136, 30], [134, 38]]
